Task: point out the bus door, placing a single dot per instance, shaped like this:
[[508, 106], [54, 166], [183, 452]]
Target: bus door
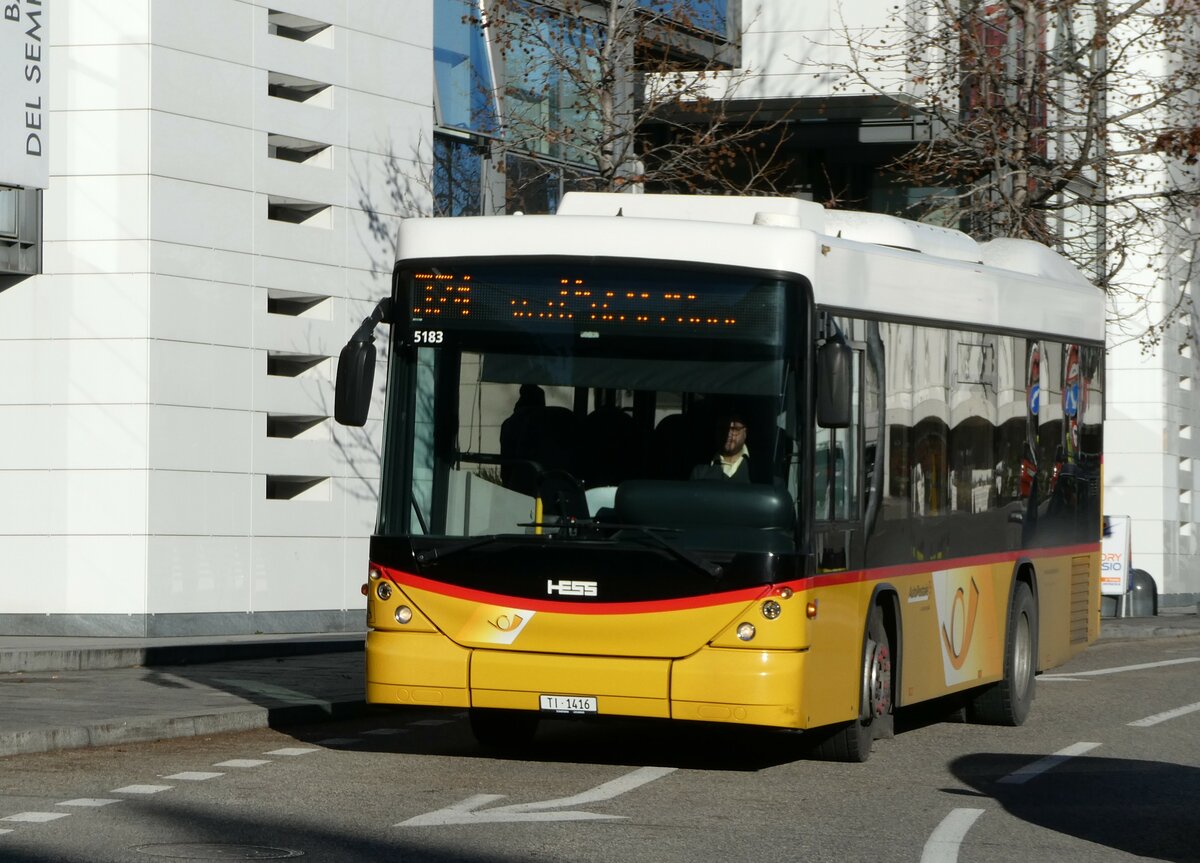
[[838, 485]]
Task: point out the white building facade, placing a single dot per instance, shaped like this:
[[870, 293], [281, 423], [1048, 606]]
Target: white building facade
[[225, 180], [220, 214]]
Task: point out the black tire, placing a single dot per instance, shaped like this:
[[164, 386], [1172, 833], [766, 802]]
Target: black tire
[[503, 729], [1008, 702], [852, 742]]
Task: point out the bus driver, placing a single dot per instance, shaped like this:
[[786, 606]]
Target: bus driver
[[732, 460]]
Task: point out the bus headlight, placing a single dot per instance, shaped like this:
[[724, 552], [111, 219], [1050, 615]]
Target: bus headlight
[[403, 614], [374, 574], [771, 609], [745, 631], [383, 590]]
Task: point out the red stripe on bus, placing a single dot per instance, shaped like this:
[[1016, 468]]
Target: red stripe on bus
[[746, 594]]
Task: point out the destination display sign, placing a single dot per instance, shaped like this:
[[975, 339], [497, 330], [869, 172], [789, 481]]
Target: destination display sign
[[590, 304]]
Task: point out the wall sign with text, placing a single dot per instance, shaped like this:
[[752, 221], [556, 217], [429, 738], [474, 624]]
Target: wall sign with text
[[24, 113]]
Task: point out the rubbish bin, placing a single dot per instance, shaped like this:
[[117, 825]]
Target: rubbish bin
[[1142, 599]]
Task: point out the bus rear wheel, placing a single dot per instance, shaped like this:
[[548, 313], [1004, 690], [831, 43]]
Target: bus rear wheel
[[503, 729], [852, 742], [1008, 702]]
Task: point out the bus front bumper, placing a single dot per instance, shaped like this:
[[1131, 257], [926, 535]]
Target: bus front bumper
[[752, 687]]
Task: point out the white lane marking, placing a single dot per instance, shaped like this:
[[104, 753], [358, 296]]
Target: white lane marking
[[293, 750], [339, 741], [1140, 667], [464, 812], [243, 762], [384, 732], [36, 817], [1020, 777], [5, 830], [88, 801], [942, 845], [1163, 717], [194, 775], [142, 789], [1048, 678]]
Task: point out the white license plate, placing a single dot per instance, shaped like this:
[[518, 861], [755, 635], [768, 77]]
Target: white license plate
[[569, 703]]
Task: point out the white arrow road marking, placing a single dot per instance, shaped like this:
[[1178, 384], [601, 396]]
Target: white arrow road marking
[[943, 842], [465, 811]]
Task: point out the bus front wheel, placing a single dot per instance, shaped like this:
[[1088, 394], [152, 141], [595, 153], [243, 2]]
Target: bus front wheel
[[852, 742], [503, 729], [1008, 702]]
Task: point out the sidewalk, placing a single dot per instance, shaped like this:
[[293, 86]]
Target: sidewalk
[[1169, 623], [66, 693]]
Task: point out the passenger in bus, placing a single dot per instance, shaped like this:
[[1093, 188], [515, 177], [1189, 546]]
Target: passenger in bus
[[514, 432], [732, 459]]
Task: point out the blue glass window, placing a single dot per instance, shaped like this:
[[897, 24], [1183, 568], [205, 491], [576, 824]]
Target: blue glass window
[[710, 15], [462, 67], [549, 63], [457, 177]]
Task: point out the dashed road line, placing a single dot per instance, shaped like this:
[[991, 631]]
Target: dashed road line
[[293, 750], [943, 843], [1029, 771], [386, 732], [142, 789], [243, 762], [36, 817], [148, 789], [339, 741], [1163, 717]]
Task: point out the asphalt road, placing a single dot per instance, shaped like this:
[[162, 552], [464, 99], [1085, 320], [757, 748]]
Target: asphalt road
[[1106, 769]]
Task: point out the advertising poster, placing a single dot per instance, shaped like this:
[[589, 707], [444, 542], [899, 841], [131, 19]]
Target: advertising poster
[[1115, 552]]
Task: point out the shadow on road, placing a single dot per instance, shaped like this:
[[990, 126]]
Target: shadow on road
[[171, 830], [1145, 808], [612, 741]]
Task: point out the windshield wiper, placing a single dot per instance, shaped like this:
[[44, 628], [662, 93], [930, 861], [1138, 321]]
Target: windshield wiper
[[430, 555], [710, 569], [571, 527]]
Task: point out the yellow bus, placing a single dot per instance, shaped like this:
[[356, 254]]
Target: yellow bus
[[734, 460]]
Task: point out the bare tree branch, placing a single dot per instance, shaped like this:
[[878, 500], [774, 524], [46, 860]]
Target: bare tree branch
[[1070, 122]]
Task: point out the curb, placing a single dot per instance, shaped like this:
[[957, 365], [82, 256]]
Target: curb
[[1146, 630], [144, 729], [105, 658]]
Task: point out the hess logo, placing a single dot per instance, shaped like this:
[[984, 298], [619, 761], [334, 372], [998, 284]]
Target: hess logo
[[571, 588]]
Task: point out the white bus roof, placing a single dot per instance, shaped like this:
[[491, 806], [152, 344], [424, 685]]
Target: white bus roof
[[858, 262]]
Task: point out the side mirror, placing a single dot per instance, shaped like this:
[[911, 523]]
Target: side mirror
[[355, 375], [834, 384]]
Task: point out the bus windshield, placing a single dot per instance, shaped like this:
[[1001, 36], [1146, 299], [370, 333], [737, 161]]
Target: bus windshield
[[524, 398]]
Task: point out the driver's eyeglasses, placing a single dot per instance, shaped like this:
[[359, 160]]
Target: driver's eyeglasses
[[737, 427]]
